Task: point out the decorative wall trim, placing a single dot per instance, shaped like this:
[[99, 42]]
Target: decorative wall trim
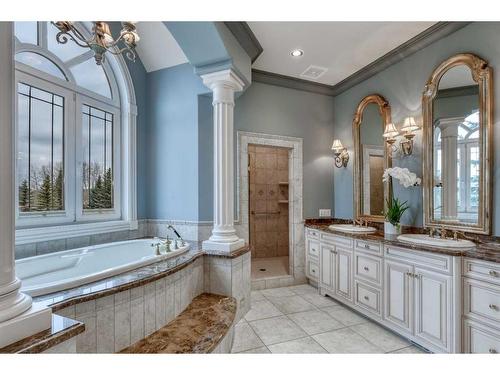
[[295, 177], [291, 82], [246, 38], [415, 44]]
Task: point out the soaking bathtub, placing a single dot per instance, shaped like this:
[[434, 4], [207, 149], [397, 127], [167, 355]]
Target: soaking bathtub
[[53, 272]]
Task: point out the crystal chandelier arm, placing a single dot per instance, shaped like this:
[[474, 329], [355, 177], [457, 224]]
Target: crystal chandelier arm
[[72, 33], [129, 52]]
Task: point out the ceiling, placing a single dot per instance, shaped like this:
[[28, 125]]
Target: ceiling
[[341, 47], [157, 48], [458, 76]]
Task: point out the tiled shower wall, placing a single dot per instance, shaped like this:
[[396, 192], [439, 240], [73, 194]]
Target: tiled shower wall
[[268, 185]]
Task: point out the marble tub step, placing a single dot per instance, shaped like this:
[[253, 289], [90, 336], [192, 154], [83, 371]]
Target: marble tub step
[[198, 329]]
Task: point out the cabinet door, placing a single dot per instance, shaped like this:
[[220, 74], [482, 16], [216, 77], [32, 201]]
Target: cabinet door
[[343, 273], [327, 265], [398, 288], [433, 307]]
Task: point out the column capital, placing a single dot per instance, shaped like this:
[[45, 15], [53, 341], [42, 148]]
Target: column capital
[[227, 79]]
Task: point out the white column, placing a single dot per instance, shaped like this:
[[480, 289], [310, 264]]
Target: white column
[[15, 307], [449, 137], [223, 85]]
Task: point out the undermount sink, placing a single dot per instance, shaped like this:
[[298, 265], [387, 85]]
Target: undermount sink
[[350, 228], [426, 240]]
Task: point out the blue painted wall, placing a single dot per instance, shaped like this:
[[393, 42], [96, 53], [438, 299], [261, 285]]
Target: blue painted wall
[[402, 85], [171, 184], [277, 110]]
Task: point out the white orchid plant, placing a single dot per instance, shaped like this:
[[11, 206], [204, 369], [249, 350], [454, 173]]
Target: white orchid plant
[[403, 175], [396, 208]]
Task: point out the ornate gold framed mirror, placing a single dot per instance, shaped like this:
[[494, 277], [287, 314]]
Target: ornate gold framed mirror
[[371, 157], [457, 106]]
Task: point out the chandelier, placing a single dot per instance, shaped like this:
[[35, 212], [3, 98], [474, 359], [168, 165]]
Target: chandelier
[[101, 40]]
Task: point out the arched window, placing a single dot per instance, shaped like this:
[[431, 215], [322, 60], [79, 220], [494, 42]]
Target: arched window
[[69, 133]]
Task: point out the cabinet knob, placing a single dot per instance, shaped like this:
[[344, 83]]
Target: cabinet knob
[[366, 298], [493, 351], [493, 307], [366, 268], [493, 273], [367, 246]]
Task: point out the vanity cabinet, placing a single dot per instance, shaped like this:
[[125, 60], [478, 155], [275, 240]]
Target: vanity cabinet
[[336, 268], [415, 293], [419, 300], [481, 306], [312, 255]]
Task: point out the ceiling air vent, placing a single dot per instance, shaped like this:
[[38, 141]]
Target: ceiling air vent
[[313, 72]]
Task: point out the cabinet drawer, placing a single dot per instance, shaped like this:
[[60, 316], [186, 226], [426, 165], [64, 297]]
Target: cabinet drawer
[[345, 242], [313, 270], [368, 298], [368, 268], [482, 270], [432, 261], [480, 339], [482, 301], [311, 233], [313, 249], [370, 247]]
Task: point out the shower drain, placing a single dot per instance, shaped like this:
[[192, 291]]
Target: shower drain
[[262, 270]]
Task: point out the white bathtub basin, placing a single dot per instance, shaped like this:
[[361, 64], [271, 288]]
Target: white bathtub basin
[[50, 273], [349, 228], [426, 240]]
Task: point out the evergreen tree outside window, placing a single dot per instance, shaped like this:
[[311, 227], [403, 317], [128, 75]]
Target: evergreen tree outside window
[[67, 131]]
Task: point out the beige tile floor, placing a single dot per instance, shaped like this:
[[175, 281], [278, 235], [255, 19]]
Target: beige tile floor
[[274, 267], [298, 320]]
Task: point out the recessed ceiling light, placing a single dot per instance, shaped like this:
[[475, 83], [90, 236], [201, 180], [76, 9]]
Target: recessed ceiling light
[[297, 53]]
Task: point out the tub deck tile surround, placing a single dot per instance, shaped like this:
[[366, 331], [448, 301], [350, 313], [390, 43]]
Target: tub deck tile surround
[[62, 330], [198, 329], [133, 279], [488, 246]]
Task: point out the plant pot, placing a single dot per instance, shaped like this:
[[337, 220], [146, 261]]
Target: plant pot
[[391, 229]]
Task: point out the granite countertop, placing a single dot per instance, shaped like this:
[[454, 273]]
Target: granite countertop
[[489, 251], [62, 329], [131, 279], [198, 329]]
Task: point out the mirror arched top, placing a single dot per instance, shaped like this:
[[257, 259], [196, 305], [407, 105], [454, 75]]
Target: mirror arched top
[[371, 157], [458, 198]]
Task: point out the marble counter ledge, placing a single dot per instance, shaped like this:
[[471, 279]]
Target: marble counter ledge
[[62, 330], [480, 252], [199, 328]]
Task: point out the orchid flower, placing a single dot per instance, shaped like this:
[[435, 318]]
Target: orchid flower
[[403, 175]]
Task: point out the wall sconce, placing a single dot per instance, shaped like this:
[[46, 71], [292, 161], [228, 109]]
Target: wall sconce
[[390, 134], [341, 154], [409, 128]]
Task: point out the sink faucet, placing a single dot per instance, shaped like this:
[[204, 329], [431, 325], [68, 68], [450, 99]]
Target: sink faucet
[[360, 222]]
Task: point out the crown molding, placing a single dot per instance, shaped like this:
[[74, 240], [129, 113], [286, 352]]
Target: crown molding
[[246, 38], [291, 82], [415, 44]]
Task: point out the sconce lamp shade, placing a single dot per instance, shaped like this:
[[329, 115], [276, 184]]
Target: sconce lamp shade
[[409, 125], [337, 146], [390, 131]]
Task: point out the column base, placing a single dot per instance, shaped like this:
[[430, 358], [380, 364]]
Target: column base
[[226, 247], [38, 318]]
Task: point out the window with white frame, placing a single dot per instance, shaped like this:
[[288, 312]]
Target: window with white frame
[[468, 164], [68, 135]]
